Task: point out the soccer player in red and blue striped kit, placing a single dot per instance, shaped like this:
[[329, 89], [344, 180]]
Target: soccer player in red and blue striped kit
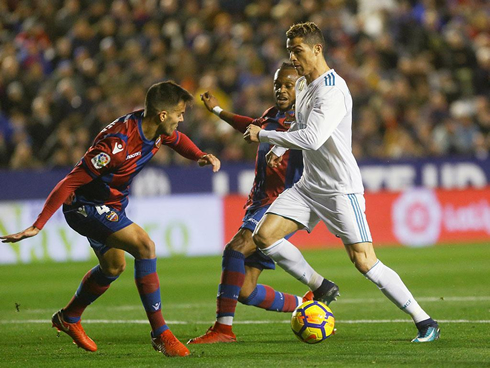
[[242, 263], [95, 195]]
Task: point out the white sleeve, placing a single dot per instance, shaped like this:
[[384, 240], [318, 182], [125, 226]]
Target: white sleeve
[[327, 113], [279, 151]]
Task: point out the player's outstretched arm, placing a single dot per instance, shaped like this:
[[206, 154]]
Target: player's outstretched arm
[[210, 159], [238, 122], [14, 238]]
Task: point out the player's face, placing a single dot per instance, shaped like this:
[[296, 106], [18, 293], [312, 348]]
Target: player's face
[[173, 117], [284, 92], [302, 56]]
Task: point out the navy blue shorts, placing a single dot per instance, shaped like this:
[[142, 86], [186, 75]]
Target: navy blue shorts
[[257, 259], [96, 223]]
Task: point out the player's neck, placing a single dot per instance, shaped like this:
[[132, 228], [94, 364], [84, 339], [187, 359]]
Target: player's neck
[[321, 68], [149, 128]]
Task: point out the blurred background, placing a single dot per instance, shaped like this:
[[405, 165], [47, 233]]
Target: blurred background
[[418, 72]]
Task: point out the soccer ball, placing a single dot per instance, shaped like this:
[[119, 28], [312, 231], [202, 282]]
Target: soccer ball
[[312, 322]]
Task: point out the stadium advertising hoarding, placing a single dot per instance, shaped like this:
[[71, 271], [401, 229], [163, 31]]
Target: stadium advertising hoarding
[[179, 225], [417, 217], [202, 224], [237, 178]]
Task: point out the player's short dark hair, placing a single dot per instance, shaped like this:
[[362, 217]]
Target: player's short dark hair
[[308, 31], [287, 65], [163, 96]]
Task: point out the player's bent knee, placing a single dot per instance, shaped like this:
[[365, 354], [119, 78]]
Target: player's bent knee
[[114, 270], [260, 239], [242, 242], [236, 245], [146, 248]]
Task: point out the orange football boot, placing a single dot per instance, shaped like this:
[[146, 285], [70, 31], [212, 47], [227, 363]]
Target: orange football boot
[[169, 345], [74, 330], [214, 334], [308, 296]]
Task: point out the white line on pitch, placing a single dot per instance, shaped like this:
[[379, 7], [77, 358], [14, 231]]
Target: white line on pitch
[[340, 301], [260, 322]]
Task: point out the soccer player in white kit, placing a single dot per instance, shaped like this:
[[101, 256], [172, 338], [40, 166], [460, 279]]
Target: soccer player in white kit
[[331, 188]]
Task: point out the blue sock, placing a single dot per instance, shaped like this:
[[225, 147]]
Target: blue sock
[[267, 298], [148, 284]]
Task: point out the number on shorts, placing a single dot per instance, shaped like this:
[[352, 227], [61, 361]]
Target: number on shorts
[[102, 209]]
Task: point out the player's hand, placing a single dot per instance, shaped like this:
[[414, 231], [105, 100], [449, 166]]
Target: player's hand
[[14, 238], [272, 159], [252, 133], [209, 100], [210, 159]]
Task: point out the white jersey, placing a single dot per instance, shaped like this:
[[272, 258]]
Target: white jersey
[[323, 130]]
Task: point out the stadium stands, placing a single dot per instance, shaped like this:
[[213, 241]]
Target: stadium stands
[[419, 71]]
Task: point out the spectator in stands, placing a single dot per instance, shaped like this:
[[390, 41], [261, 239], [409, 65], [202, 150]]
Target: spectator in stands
[[407, 62]]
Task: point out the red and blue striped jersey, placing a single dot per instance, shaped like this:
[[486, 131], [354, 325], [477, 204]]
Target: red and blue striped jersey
[[104, 174], [118, 154], [270, 182]]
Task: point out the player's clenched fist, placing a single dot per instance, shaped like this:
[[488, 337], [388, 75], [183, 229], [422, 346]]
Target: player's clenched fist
[[209, 100]]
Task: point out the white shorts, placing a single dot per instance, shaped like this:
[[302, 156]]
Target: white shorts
[[343, 214]]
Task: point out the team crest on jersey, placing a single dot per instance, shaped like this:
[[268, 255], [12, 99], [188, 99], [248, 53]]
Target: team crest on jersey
[[112, 216], [158, 142], [101, 160]]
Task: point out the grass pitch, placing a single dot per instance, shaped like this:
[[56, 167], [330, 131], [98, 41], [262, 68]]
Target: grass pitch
[[450, 282]]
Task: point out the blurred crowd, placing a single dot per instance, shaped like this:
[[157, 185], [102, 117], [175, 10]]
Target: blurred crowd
[[418, 71]]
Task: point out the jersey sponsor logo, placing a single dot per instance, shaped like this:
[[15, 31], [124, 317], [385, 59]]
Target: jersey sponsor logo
[[112, 216], [101, 160], [118, 147], [128, 157]]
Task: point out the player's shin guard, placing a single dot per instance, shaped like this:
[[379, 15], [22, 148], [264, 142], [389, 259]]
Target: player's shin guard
[[292, 261], [148, 284], [393, 287], [266, 297], [232, 277], [93, 285]]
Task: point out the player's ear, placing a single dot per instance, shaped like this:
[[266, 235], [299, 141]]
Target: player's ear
[[162, 116]]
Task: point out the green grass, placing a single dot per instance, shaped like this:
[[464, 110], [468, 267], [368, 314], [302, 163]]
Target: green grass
[[450, 282]]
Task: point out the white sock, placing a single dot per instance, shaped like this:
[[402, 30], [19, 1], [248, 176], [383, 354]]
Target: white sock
[[393, 287], [228, 320], [292, 261]]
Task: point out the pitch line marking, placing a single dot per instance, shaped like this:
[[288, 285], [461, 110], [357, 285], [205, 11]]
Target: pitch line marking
[[261, 322], [341, 301]]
